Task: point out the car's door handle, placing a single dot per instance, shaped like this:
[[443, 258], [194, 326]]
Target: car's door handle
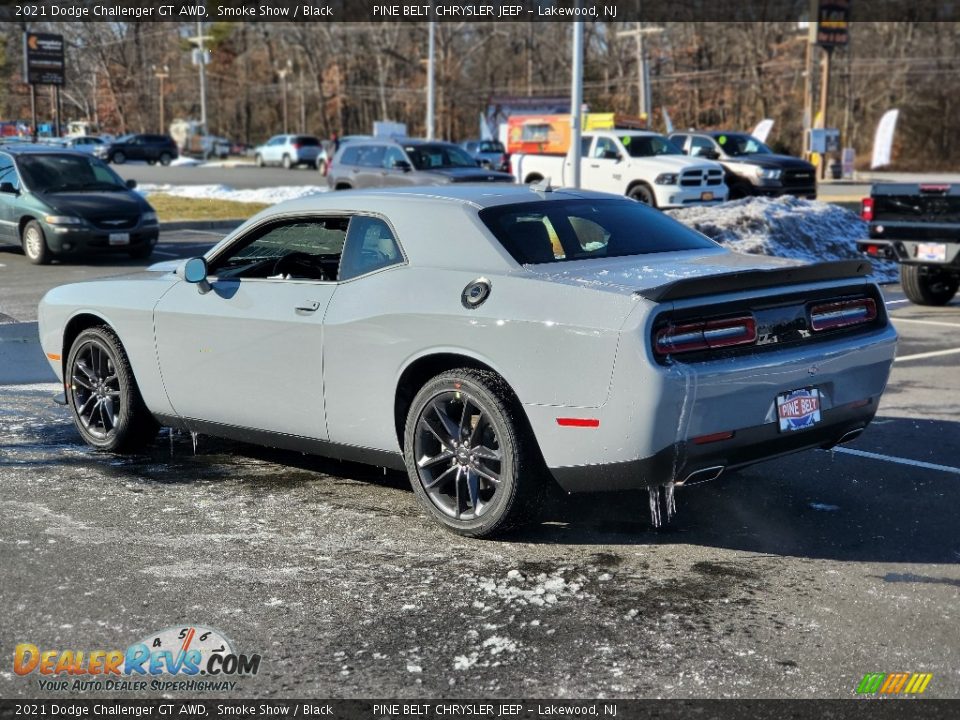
[[595, 166], [308, 307]]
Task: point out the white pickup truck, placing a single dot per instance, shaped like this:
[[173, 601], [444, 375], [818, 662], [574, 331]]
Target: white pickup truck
[[639, 164]]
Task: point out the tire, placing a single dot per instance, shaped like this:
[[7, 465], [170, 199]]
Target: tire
[[35, 244], [739, 191], [142, 252], [643, 194], [287, 163], [928, 285], [118, 157], [322, 167], [531, 179], [454, 479], [166, 159], [103, 394], [151, 162], [258, 160]]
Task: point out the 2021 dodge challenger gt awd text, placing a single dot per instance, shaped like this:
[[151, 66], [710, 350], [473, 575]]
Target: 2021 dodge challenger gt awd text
[[488, 340]]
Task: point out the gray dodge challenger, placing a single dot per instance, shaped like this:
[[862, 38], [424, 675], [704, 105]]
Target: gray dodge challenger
[[494, 341]]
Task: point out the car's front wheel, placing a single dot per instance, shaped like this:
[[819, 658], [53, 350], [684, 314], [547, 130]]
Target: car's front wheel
[[166, 159], [35, 244], [103, 394], [472, 460], [641, 193], [118, 158], [287, 162], [322, 167], [258, 160], [928, 285]]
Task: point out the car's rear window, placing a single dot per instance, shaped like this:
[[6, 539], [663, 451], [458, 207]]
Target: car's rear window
[[561, 230], [306, 140]]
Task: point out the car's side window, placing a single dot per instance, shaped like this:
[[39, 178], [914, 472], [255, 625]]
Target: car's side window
[[680, 141], [393, 156], [604, 146], [370, 246], [302, 249], [698, 145], [8, 173], [371, 156], [585, 141]]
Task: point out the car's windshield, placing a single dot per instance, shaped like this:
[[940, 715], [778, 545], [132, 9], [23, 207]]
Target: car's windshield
[[735, 144], [68, 173], [490, 146], [556, 231], [437, 156], [648, 145]]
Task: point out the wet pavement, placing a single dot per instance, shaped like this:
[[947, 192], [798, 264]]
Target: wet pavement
[[792, 578]]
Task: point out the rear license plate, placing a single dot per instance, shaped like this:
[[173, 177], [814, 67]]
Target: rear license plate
[[119, 238], [932, 251], [706, 196], [798, 409]]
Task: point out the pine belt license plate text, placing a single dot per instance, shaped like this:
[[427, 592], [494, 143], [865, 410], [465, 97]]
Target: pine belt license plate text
[[932, 251], [798, 409], [119, 238], [706, 196]]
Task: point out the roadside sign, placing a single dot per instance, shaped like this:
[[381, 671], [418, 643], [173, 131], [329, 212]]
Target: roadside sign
[[43, 58], [833, 23]]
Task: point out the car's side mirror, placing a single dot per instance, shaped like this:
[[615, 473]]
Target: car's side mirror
[[131, 184], [401, 165], [194, 271], [8, 188], [710, 154]]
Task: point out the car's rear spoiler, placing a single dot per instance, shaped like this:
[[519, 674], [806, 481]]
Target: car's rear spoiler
[[754, 279]]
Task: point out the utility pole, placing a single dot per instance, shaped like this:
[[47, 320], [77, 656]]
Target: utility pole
[[644, 94], [283, 72], [201, 56], [576, 102], [303, 104], [161, 74], [431, 89]]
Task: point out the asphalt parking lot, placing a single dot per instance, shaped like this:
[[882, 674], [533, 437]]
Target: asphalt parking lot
[[792, 578]]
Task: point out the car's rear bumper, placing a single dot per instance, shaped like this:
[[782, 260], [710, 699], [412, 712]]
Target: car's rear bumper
[[688, 461], [907, 251]]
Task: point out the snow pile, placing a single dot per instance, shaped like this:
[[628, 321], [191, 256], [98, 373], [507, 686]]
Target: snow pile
[[538, 590], [785, 227], [269, 196], [185, 162]]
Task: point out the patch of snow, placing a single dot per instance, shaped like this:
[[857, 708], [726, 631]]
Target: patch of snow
[[497, 644], [414, 668], [537, 590], [185, 162], [824, 507], [464, 662], [268, 195], [786, 227]]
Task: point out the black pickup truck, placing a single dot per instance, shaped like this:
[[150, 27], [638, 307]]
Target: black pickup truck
[[917, 226]]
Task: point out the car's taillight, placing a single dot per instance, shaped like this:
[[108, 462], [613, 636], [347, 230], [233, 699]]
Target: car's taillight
[[866, 209], [707, 335], [296, 146], [509, 163], [846, 313]]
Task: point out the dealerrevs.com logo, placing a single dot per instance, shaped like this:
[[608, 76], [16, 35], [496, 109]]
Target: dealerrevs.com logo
[[199, 658], [902, 683]]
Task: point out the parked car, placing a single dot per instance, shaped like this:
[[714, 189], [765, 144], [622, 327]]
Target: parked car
[[84, 143], [490, 340], [152, 148], [330, 150], [751, 167], [642, 165], [58, 203], [389, 163], [289, 151], [917, 226], [488, 153]]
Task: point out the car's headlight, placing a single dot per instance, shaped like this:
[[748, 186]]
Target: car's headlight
[[768, 173], [63, 220], [149, 218], [666, 179]]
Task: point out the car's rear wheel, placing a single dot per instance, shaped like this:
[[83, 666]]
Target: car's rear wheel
[[928, 285], [322, 167], [118, 157], [641, 193], [287, 162], [151, 162], [166, 158], [258, 160], [35, 244], [472, 460], [103, 395]]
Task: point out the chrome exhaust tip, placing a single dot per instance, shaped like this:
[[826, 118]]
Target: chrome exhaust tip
[[850, 436], [703, 475]]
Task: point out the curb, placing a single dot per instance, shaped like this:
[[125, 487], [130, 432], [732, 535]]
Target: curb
[[201, 225]]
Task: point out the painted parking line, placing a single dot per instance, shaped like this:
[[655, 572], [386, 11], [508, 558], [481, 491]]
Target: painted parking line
[[924, 356], [898, 460], [926, 322], [167, 254]]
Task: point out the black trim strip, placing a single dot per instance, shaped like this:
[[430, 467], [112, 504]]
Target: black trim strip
[[283, 441], [754, 279]]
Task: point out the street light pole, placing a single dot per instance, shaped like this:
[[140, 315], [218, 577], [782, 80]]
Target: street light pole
[[576, 103], [644, 96], [161, 74], [203, 78], [430, 80], [283, 72]]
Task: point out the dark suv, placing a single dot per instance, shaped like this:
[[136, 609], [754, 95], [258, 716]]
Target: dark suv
[[61, 202], [152, 148], [751, 167], [392, 163]]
